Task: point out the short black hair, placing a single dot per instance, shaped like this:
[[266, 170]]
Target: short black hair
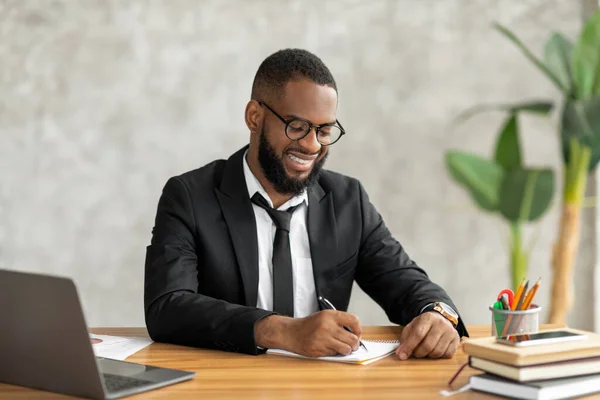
[[285, 65]]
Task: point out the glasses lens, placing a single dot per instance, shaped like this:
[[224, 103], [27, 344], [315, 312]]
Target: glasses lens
[[329, 134], [296, 129]]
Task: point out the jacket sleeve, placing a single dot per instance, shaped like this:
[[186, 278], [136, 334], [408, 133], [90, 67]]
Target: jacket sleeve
[[175, 312], [387, 274]]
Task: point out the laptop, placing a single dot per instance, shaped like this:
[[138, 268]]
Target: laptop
[[45, 344]]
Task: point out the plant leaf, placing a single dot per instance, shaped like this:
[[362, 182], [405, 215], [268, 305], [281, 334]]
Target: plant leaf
[[585, 62], [542, 108], [538, 107], [508, 151], [538, 63], [525, 194], [480, 177], [581, 120], [557, 55]]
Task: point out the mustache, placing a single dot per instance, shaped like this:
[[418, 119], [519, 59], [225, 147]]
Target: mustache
[[302, 151]]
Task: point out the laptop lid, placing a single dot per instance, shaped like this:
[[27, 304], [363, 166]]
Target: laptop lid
[[44, 342]]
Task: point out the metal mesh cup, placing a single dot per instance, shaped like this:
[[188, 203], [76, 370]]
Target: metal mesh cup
[[506, 322]]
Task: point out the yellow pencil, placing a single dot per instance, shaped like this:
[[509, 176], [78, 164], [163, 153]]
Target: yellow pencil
[[516, 300], [518, 295], [529, 297]]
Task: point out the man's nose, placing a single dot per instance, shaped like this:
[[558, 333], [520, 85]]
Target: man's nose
[[310, 142]]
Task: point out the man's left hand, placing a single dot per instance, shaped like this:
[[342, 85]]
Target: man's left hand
[[428, 335]]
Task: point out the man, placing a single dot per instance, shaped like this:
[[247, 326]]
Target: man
[[242, 249]]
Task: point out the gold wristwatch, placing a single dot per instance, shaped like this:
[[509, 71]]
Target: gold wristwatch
[[444, 309]]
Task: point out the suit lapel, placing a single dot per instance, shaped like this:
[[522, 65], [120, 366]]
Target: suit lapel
[[239, 216], [235, 203], [322, 234]]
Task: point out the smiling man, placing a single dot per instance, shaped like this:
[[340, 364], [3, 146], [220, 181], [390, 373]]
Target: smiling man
[[243, 249]]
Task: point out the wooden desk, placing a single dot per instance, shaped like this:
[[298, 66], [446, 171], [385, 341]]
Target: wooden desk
[[223, 375]]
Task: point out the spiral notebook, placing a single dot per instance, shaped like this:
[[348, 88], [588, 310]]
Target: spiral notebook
[[378, 349]]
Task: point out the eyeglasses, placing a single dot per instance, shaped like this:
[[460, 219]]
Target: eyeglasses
[[298, 128]]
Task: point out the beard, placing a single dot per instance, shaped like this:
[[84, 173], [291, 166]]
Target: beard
[[274, 170]]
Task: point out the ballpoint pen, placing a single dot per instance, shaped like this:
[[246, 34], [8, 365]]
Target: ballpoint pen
[[326, 304]]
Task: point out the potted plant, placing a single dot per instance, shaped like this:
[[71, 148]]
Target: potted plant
[[575, 70], [503, 185]]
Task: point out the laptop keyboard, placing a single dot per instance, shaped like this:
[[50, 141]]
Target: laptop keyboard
[[116, 383]]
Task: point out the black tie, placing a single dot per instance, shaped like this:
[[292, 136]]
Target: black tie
[[283, 276]]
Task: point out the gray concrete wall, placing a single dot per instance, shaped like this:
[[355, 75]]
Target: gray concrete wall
[[102, 101]]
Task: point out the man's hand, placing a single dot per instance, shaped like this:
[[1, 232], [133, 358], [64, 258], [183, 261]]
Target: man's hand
[[318, 335], [428, 335]]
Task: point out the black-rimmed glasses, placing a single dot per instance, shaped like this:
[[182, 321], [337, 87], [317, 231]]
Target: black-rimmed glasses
[[298, 128]]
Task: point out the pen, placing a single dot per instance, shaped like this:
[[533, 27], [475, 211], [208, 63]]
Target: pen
[[326, 304]]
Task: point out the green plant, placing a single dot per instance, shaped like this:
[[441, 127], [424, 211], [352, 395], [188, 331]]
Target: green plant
[[502, 185], [575, 71]]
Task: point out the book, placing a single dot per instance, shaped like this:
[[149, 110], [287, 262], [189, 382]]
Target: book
[[561, 369], [553, 389], [487, 348], [378, 349]]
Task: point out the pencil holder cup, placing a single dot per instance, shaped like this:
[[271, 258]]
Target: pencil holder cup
[[507, 322]]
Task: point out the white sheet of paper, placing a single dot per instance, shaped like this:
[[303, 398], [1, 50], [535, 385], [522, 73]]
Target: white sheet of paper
[[117, 347], [377, 351]]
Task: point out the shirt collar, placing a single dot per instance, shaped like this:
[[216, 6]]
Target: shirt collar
[[253, 186]]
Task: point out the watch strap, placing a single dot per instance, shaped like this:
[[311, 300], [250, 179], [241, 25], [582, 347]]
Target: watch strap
[[431, 306]]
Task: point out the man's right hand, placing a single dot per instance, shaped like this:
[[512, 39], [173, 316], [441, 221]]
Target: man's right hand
[[318, 335]]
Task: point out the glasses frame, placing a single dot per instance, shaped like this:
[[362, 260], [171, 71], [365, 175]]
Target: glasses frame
[[287, 122]]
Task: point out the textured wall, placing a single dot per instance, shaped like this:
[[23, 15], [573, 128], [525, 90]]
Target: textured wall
[[102, 101]]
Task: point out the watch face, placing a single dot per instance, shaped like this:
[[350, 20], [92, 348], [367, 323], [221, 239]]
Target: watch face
[[449, 310]]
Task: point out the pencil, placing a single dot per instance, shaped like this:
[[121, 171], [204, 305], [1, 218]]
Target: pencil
[[508, 319], [513, 324], [529, 298], [521, 301], [518, 303], [518, 295]]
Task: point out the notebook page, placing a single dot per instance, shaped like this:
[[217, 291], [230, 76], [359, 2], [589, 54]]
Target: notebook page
[[377, 350]]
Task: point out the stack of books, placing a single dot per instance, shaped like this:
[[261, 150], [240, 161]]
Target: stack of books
[[544, 371]]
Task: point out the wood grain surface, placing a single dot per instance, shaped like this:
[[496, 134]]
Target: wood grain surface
[[223, 375]]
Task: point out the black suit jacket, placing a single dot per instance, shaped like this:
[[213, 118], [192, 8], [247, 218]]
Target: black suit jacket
[[201, 273]]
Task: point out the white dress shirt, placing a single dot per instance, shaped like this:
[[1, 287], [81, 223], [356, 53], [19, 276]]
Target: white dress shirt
[[305, 295]]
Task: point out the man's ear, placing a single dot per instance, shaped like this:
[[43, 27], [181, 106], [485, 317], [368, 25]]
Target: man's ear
[[253, 116]]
